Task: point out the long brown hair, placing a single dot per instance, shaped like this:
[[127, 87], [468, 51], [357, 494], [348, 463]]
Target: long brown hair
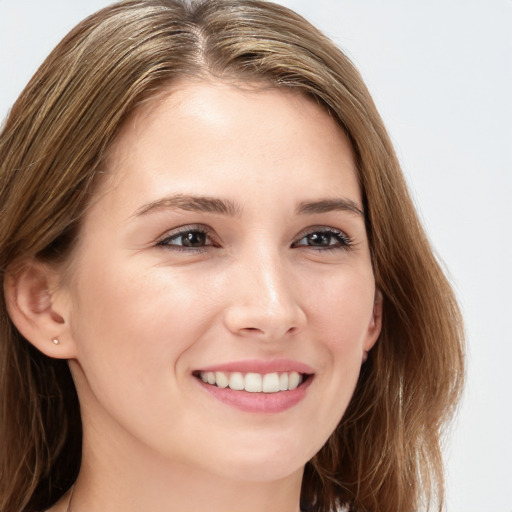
[[385, 454]]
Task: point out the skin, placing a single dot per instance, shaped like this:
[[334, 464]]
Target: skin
[[137, 317]]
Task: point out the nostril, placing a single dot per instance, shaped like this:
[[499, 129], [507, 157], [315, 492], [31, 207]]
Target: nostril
[[263, 323], [251, 330]]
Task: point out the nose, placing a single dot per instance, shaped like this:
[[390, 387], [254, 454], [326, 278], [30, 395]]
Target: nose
[[264, 300]]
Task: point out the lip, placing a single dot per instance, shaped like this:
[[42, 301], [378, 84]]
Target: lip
[[262, 403], [260, 366]]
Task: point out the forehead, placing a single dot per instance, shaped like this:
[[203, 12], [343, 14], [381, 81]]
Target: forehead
[[200, 136]]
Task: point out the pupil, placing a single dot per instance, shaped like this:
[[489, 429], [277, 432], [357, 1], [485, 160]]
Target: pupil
[[319, 239], [194, 239]]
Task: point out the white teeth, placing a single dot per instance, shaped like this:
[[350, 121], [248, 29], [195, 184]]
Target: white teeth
[[221, 379], [236, 381], [293, 380], [270, 383], [253, 382], [283, 382]]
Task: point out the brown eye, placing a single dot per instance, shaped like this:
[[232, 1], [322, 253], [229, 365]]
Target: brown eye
[[319, 239], [191, 238], [324, 238]]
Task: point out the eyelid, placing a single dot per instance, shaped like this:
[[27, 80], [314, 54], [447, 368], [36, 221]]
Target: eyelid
[[346, 243], [181, 230]]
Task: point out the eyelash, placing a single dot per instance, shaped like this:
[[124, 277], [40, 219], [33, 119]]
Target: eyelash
[[343, 242], [181, 233]]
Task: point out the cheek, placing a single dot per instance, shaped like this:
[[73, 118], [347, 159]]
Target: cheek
[[132, 330], [341, 309], [132, 326], [341, 313]]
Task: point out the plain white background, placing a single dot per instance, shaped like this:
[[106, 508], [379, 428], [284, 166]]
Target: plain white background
[[441, 75]]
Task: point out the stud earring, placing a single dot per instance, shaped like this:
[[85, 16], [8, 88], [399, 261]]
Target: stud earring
[[55, 341], [365, 356]]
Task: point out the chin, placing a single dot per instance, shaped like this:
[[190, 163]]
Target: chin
[[262, 471], [262, 461]]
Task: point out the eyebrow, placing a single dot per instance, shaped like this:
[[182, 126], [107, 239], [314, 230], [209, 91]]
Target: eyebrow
[[329, 205], [230, 208], [194, 204]]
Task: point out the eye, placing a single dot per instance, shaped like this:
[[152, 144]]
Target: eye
[[188, 238], [324, 238]]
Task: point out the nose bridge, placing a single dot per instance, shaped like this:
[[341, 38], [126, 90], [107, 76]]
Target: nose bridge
[[270, 281], [266, 302]]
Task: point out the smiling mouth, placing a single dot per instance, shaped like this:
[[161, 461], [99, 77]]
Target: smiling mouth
[[254, 382]]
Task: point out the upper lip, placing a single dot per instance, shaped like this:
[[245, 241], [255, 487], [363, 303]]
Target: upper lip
[[260, 366]]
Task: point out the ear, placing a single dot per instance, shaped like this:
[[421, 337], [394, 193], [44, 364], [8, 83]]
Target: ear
[[375, 325], [38, 308]]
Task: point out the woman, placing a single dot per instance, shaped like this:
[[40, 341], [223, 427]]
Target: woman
[[217, 294]]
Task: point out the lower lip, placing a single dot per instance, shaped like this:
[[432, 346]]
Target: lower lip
[[259, 402]]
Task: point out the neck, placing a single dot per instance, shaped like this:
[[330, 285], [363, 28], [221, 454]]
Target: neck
[[183, 489], [134, 479]]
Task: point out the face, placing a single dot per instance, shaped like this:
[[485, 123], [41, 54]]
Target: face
[[226, 244]]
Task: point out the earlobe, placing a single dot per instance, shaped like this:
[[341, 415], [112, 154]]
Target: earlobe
[[29, 294], [375, 325]]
